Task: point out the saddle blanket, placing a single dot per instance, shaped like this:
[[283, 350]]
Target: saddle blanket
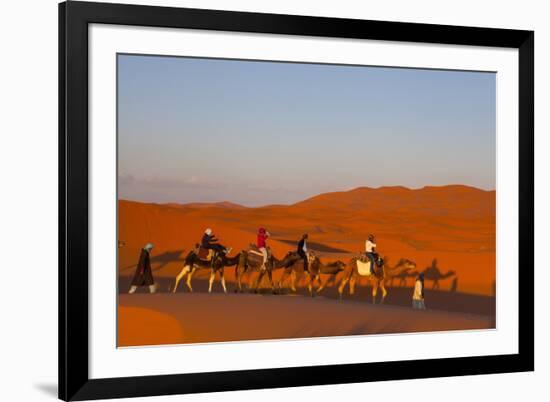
[[205, 254], [363, 268]]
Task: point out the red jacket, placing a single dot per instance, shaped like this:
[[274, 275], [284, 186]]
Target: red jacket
[[262, 237]]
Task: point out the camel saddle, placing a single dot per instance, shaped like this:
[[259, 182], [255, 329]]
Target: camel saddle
[[255, 255], [363, 265], [205, 254], [379, 261]]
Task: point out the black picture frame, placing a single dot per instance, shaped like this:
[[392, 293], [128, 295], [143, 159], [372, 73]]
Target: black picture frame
[[74, 381]]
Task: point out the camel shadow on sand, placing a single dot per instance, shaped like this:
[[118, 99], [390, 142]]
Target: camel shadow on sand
[[397, 296]]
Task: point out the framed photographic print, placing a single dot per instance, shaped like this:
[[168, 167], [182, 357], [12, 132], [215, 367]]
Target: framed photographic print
[[256, 200]]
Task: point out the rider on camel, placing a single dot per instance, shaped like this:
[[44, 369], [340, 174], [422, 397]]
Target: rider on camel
[[261, 244], [370, 251], [209, 242], [302, 251]]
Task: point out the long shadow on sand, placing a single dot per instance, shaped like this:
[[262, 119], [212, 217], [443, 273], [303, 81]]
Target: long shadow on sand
[[159, 261], [397, 296]]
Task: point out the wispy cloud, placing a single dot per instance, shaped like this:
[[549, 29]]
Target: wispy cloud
[[160, 183]]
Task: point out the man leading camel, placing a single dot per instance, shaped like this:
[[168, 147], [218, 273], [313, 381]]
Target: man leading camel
[[144, 275], [302, 251]]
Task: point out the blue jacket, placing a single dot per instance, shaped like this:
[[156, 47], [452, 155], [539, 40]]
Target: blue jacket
[[207, 240]]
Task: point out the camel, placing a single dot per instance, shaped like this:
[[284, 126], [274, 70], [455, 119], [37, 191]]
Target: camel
[[402, 276], [249, 262], [433, 273], [193, 263], [315, 267], [356, 268]]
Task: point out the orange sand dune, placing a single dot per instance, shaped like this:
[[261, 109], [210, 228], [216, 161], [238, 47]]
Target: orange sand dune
[[455, 224], [138, 326], [218, 317]]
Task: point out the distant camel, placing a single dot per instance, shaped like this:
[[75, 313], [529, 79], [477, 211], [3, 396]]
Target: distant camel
[[193, 263], [249, 262], [402, 276], [316, 267], [357, 268], [433, 273]]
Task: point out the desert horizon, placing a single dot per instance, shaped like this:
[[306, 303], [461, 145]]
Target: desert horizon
[[236, 146], [227, 203], [454, 224]]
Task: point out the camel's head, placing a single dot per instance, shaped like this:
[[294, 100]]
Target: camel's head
[[311, 256], [340, 264]]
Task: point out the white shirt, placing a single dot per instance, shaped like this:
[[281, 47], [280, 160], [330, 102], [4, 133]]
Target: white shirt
[[369, 246], [305, 246]]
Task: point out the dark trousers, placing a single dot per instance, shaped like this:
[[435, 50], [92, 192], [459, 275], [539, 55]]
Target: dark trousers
[[372, 258], [302, 254], [216, 247]]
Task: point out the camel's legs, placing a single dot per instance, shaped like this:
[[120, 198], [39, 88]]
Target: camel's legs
[[248, 274], [384, 291], [270, 276], [352, 281], [180, 276], [238, 278], [374, 291], [312, 279], [436, 284], [238, 274], [244, 278], [285, 274], [132, 289], [342, 286], [258, 280], [293, 280], [319, 282], [331, 279], [223, 281], [189, 277], [211, 280], [322, 285]]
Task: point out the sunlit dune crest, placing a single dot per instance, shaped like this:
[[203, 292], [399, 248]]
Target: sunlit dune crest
[[454, 224]]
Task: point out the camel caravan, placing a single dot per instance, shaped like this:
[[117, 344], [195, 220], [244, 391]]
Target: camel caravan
[[258, 258]]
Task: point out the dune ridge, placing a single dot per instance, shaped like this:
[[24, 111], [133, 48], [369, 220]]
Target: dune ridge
[[455, 224]]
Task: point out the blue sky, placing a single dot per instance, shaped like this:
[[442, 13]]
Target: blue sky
[[259, 133]]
